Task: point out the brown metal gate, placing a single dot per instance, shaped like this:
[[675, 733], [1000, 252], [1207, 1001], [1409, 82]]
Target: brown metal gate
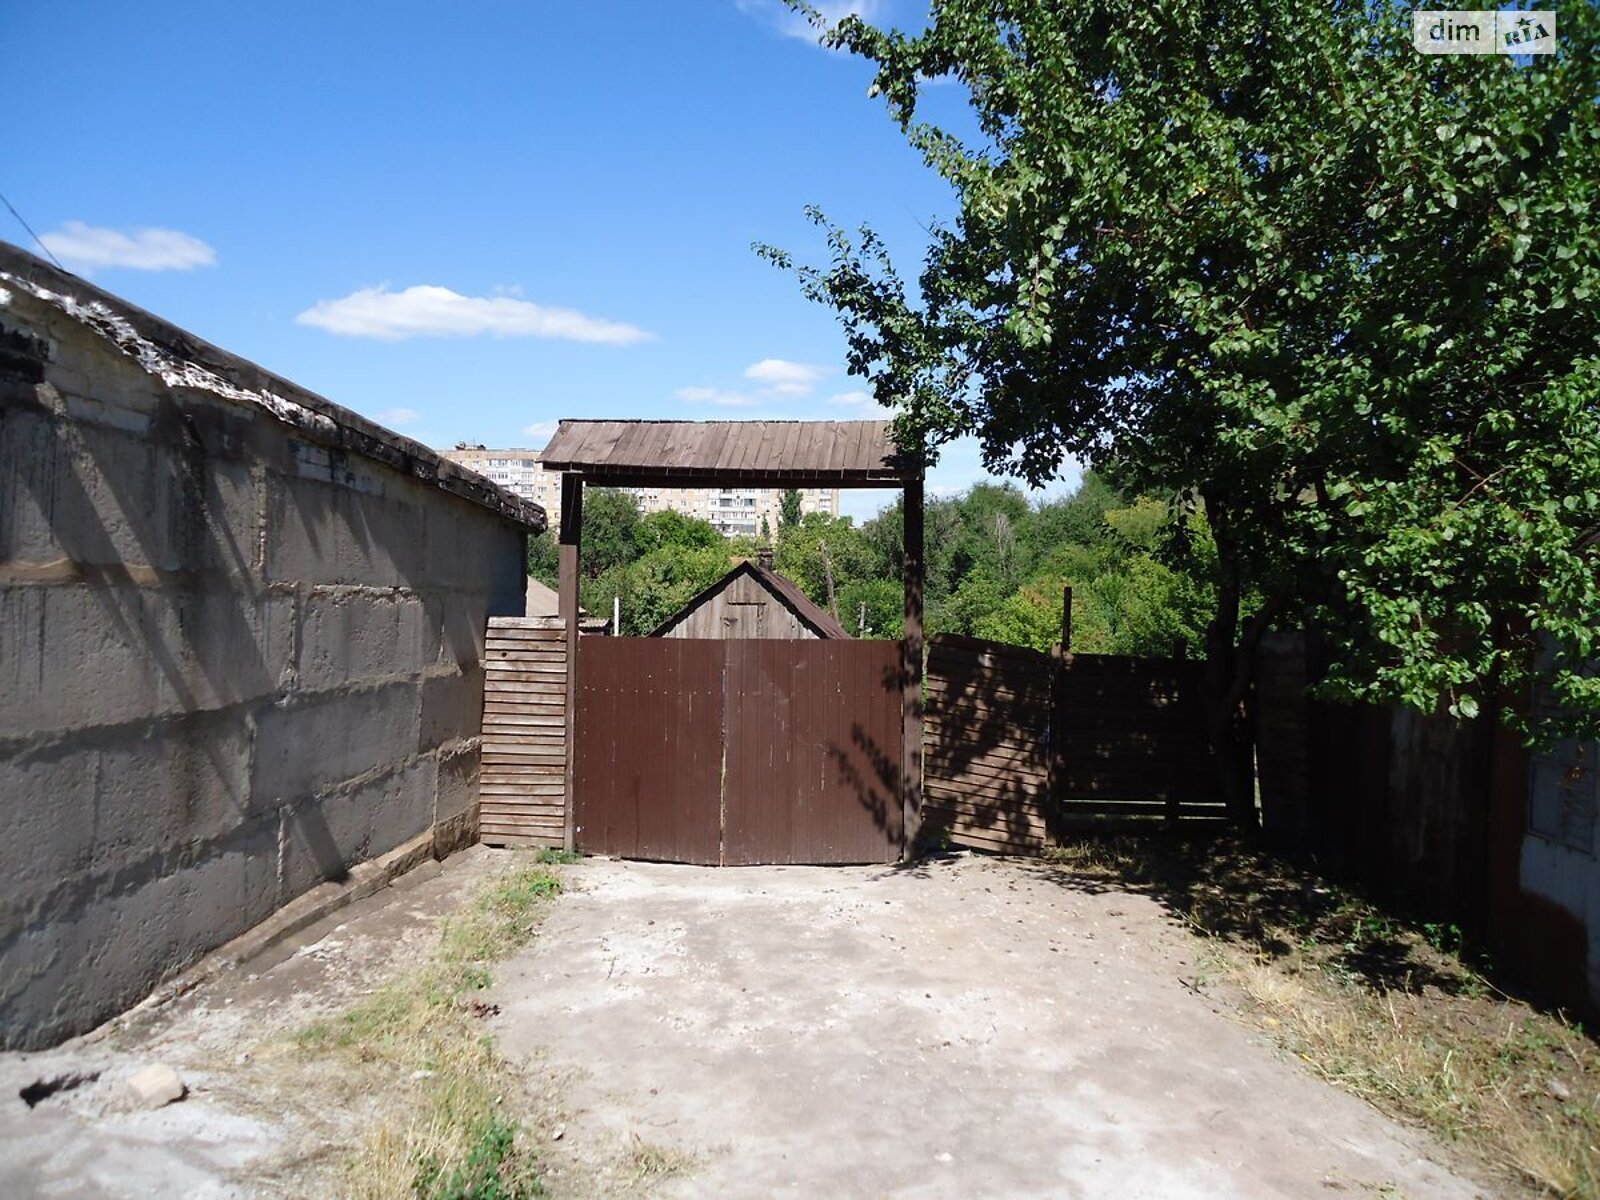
[[738, 751]]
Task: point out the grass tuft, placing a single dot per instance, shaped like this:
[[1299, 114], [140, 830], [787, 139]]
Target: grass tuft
[[449, 1137], [650, 1162]]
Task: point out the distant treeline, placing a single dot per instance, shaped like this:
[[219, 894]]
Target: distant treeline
[[996, 566]]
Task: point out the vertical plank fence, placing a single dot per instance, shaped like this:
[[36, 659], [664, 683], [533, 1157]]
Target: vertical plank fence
[[988, 745], [522, 781], [1024, 747]]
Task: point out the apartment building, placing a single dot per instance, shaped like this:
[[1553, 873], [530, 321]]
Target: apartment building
[[734, 512]]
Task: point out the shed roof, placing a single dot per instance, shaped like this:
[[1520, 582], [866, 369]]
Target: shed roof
[[815, 453], [787, 591]]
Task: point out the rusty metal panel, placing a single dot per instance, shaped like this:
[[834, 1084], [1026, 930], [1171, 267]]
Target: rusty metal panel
[[813, 752], [648, 748]]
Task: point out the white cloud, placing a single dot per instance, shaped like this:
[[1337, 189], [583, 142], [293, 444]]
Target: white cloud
[[792, 24], [541, 431], [399, 417], [428, 311], [784, 378], [722, 397], [87, 247]]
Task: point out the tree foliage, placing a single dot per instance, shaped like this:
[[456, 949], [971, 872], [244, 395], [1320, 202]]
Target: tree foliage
[[1277, 268], [1126, 600]]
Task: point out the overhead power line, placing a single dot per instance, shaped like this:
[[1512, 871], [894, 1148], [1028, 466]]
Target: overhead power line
[[38, 241]]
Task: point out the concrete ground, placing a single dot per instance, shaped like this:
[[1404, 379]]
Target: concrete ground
[[967, 1028], [235, 1134]]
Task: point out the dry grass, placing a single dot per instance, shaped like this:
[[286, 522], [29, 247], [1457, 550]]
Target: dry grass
[[1387, 1010], [419, 1040], [651, 1163]]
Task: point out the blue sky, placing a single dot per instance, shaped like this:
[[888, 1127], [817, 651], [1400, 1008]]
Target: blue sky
[[468, 221]]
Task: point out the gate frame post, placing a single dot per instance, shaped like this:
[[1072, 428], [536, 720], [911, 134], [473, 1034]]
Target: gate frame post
[[570, 557], [911, 672]]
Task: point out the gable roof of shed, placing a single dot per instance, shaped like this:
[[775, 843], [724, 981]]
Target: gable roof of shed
[[786, 590]]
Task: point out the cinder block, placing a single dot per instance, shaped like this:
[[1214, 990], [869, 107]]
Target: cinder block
[[307, 744], [99, 493], [183, 782], [327, 835], [77, 966], [458, 784], [320, 532], [462, 621], [452, 708], [478, 551], [94, 654], [81, 361], [354, 638], [110, 798], [49, 804]]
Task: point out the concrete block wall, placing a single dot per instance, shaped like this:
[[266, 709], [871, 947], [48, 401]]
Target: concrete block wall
[[241, 639]]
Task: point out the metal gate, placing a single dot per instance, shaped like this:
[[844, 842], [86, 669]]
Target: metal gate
[[739, 751]]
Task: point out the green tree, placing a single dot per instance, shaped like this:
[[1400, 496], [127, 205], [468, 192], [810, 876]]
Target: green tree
[[671, 528], [1334, 293], [882, 601], [610, 530], [656, 585], [800, 554], [788, 511], [544, 562]]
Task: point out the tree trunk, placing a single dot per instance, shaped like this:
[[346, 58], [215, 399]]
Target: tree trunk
[[827, 575], [1229, 669]]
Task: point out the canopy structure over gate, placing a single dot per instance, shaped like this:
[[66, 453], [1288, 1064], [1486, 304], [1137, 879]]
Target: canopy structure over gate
[[771, 454]]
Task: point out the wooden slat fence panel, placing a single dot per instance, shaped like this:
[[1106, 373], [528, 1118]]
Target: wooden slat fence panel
[[987, 777], [1023, 747], [1130, 740], [522, 782]]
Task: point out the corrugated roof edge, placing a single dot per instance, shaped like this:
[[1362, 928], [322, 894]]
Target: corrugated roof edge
[[180, 359]]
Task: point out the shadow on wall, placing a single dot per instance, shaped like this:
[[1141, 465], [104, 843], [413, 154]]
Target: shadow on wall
[[233, 661], [175, 590], [875, 776]]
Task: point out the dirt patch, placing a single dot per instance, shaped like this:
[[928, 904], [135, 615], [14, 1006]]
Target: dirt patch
[[966, 1027], [1402, 1014], [269, 1110]]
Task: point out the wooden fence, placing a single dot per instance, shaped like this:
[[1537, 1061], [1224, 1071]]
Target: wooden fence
[[987, 736], [1024, 747], [522, 783]]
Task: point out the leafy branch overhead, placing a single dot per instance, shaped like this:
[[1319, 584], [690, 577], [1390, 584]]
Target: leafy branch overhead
[[1280, 267]]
